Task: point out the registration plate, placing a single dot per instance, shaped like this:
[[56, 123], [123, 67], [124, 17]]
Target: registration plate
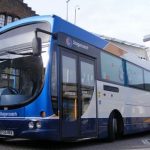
[[7, 132]]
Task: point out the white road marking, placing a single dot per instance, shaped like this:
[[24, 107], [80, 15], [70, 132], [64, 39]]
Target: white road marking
[[146, 141]]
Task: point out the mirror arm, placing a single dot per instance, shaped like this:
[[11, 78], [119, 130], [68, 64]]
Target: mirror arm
[[54, 35]]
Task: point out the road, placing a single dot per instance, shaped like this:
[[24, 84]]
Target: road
[[134, 142]]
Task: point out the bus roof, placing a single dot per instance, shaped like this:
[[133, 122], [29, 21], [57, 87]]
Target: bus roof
[[60, 25]]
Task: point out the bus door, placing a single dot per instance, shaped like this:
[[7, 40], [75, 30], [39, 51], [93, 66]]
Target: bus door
[[87, 91], [78, 108]]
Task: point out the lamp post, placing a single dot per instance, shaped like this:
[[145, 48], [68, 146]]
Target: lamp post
[[147, 39], [67, 2], [75, 13]]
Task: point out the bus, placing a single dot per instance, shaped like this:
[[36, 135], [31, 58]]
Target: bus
[[59, 82]]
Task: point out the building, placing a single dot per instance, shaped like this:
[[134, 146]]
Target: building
[[12, 10], [141, 51]]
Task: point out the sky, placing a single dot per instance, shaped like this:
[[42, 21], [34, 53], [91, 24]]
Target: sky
[[127, 20]]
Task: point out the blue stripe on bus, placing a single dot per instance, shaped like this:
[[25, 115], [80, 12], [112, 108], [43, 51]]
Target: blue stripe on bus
[[28, 20], [62, 26], [51, 129]]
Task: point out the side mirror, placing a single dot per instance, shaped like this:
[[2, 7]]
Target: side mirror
[[37, 46]]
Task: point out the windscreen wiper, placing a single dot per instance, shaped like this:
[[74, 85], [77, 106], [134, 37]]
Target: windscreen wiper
[[3, 59], [14, 53], [29, 53]]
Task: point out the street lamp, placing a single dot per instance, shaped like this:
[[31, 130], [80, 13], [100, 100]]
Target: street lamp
[[146, 38], [75, 14], [67, 2]]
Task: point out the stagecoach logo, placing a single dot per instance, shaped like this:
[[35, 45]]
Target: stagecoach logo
[[13, 114], [70, 43]]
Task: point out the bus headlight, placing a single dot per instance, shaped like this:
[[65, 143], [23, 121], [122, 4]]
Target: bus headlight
[[31, 125], [38, 124]]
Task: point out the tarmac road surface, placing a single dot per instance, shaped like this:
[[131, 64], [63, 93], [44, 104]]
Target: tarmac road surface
[[130, 142]]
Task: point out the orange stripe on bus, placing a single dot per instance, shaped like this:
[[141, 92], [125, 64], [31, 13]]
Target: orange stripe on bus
[[114, 49]]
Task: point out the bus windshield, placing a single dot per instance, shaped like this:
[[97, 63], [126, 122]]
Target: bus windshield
[[22, 73]]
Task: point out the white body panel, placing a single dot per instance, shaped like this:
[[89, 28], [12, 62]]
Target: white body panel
[[91, 110], [129, 102]]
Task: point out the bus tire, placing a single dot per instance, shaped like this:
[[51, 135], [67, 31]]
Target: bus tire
[[112, 128]]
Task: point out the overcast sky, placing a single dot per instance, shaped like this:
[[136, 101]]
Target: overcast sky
[[123, 19]]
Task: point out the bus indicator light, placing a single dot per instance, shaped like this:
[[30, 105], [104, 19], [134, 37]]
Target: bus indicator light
[[38, 124], [31, 125]]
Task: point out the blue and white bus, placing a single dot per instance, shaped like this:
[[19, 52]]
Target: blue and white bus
[[60, 82]]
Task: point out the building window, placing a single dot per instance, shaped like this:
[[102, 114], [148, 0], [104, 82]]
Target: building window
[[2, 20], [16, 18], [6, 19], [9, 19]]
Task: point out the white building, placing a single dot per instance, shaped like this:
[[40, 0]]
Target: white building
[[141, 51]]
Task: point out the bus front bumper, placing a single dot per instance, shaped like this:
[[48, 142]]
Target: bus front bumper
[[45, 129]]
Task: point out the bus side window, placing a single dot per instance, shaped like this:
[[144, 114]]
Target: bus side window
[[112, 68], [135, 76], [147, 80]]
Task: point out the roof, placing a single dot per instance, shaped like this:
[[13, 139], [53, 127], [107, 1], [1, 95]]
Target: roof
[[28, 8], [123, 42], [16, 8]]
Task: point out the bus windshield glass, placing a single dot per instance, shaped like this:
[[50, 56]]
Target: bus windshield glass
[[22, 73]]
